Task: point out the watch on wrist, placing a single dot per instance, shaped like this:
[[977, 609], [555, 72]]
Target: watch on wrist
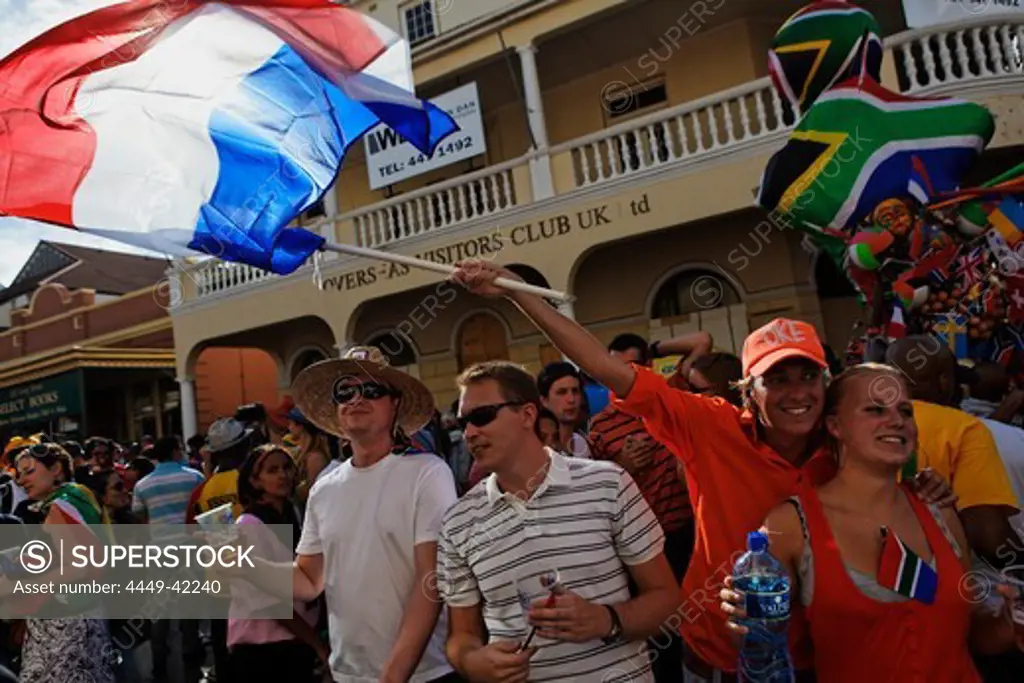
[[616, 631], [655, 350]]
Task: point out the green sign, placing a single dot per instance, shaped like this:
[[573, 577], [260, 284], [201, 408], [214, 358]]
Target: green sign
[[42, 401]]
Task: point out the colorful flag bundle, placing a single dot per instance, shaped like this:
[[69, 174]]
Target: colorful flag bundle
[[196, 126]]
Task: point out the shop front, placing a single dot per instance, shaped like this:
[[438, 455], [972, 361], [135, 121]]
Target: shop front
[[53, 405]]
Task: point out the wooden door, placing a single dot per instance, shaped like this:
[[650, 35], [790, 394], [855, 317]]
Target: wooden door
[[481, 338]]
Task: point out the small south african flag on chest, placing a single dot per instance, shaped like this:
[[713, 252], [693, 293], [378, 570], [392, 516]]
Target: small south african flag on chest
[[901, 570]]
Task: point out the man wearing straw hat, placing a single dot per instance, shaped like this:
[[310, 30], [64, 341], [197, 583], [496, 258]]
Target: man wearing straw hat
[[371, 527]]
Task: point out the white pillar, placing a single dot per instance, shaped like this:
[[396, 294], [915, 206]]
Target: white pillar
[[189, 423], [540, 168], [566, 309]]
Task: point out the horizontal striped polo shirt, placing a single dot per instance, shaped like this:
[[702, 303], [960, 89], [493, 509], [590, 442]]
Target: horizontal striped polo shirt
[[659, 481], [163, 494], [588, 520]]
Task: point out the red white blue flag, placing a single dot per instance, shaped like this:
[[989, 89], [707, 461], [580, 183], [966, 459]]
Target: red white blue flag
[[190, 125]]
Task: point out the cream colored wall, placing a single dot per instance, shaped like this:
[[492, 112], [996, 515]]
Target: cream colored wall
[[452, 14], [710, 61], [448, 14]]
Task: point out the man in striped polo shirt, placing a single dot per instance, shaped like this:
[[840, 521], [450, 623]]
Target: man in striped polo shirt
[[161, 497], [541, 512]]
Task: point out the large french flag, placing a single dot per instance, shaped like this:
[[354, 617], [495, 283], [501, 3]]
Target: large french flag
[[189, 126]]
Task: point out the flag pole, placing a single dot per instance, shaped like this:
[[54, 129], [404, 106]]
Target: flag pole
[[443, 269]]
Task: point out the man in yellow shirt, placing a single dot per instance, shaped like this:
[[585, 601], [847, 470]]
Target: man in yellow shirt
[[957, 446]]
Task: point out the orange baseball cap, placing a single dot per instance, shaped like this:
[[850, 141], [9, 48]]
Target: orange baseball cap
[[780, 340]]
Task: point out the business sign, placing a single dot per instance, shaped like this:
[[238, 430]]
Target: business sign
[[390, 159], [921, 13], [41, 401]]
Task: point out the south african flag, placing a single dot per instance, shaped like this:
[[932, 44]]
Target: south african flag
[[857, 147], [901, 570]]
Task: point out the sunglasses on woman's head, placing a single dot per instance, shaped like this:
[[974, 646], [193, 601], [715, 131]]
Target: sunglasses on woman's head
[[370, 391], [483, 415]]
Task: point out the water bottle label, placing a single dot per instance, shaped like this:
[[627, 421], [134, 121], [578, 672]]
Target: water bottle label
[[768, 605]]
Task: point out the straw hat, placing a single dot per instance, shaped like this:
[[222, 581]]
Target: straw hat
[[313, 389]]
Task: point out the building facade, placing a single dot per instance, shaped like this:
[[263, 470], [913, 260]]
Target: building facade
[[610, 149], [87, 349]]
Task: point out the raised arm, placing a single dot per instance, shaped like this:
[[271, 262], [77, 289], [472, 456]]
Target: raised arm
[[576, 343]]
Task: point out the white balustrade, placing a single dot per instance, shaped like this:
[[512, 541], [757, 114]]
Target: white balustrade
[[437, 207], [982, 48], [741, 115], [213, 276]]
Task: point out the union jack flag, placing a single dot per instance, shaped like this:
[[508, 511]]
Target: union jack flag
[[971, 268]]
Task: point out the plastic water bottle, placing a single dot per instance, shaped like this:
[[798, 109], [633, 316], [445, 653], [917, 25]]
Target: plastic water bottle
[[764, 657]]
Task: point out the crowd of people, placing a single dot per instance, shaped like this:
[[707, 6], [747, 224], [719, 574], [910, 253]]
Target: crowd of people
[[578, 525]]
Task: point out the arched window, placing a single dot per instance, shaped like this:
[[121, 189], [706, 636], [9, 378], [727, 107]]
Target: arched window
[[481, 338], [693, 291], [396, 347], [305, 359]]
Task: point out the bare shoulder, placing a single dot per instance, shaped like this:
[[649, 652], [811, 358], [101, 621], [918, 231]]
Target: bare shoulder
[[785, 530]]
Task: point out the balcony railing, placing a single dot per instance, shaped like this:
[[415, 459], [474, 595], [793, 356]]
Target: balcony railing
[[437, 207], [721, 121], [984, 48], [977, 55]]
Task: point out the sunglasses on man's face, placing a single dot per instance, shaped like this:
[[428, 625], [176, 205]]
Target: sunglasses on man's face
[[483, 415], [370, 391]]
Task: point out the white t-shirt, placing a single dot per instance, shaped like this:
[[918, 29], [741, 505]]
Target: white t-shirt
[[366, 521], [1010, 444]]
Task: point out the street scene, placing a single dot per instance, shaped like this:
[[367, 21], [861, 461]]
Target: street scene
[[572, 341]]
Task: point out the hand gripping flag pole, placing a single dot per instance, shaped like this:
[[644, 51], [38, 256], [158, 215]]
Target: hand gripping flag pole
[[443, 269]]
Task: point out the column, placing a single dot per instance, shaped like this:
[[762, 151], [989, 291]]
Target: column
[[331, 209], [566, 309], [189, 424], [540, 168]]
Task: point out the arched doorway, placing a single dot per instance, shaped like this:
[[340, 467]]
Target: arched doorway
[[695, 299], [840, 307], [481, 338], [399, 351], [304, 359]]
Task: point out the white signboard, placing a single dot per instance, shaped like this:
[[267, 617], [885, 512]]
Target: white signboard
[[390, 159], [922, 13]]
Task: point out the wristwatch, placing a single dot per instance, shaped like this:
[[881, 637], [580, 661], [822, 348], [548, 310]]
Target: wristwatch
[[616, 631]]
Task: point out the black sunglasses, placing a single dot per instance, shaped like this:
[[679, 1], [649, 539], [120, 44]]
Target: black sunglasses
[[484, 415], [370, 391]]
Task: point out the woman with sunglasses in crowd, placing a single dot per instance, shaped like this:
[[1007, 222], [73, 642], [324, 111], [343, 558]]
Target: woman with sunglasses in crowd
[[111, 492], [58, 649], [879, 573], [271, 649]]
